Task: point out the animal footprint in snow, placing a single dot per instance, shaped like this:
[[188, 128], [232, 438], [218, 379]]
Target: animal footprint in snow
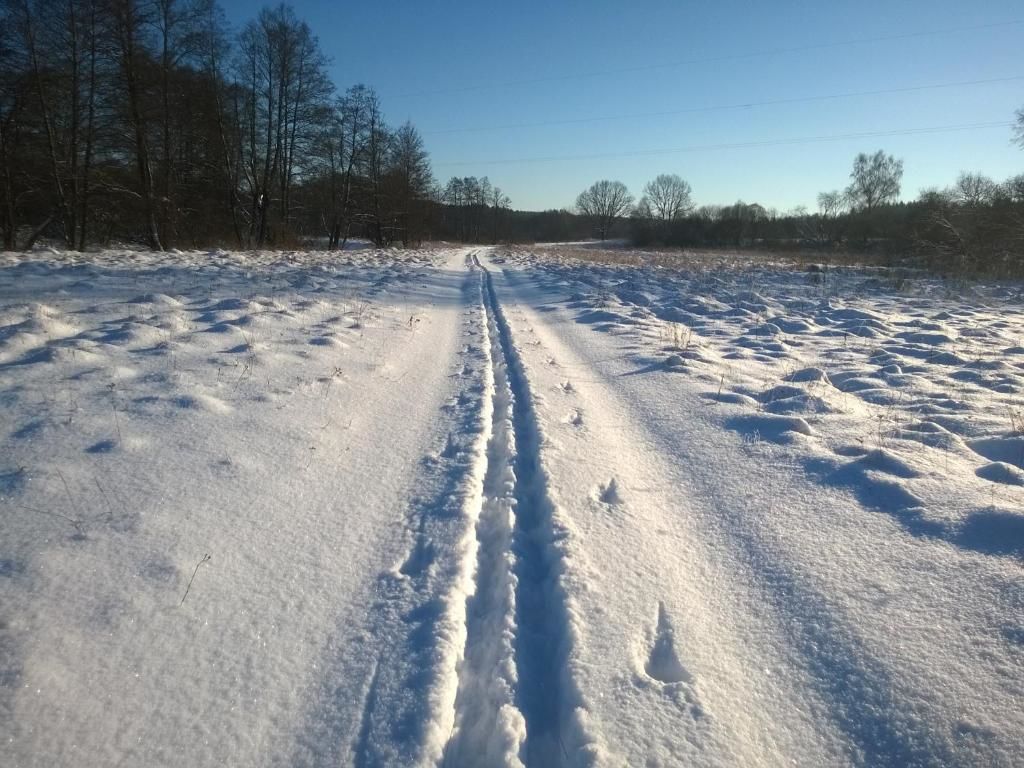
[[609, 494], [575, 418], [663, 662], [451, 448], [567, 387], [418, 560]]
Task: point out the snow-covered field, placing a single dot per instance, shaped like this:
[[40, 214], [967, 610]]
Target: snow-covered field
[[473, 507]]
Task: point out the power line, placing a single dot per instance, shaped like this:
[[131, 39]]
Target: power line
[[709, 59], [739, 145], [725, 107]]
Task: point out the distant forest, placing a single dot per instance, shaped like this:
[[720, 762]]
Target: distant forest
[[152, 122]]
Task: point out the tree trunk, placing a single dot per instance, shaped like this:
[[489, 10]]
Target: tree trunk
[[51, 138], [127, 29], [90, 128]]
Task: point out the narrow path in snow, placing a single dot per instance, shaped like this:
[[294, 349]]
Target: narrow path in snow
[[541, 619], [515, 693], [489, 728]]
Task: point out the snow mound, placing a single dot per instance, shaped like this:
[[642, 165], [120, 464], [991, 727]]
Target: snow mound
[[674, 361], [810, 374], [770, 427], [1009, 449], [157, 299], [1001, 472]]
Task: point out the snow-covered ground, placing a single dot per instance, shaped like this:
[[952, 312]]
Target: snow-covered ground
[[472, 507]]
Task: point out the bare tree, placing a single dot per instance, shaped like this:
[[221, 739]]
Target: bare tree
[[875, 180], [181, 28], [831, 204], [604, 202], [213, 41], [831, 207], [13, 114], [283, 72], [668, 196], [351, 122], [47, 38], [1018, 128], [129, 20], [973, 190], [499, 203], [372, 174], [409, 170]]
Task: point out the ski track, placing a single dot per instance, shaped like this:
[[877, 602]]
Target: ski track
[[489, 729], [547, 693], [475, 664], [517, 702]]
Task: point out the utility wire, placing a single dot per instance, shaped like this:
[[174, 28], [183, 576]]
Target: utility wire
[[725, 107], [710, 59], [739, 145]]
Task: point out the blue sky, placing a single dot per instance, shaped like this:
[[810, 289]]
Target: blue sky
[[443, 65]]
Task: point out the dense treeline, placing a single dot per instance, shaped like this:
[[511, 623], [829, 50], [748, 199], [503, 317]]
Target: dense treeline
[[473, 210], [150, 121]]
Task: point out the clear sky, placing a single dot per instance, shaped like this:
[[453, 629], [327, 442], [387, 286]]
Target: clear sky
[[447, 67]]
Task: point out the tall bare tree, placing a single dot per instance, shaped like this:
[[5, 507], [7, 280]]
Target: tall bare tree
[[181, 29], [13, 114], [874, 180], [213, 45], [499, 203], [374, 212], [604, 202], [345, 145], [130, 20], [831, 206], [668, 197], [283, 73], [409, 169]]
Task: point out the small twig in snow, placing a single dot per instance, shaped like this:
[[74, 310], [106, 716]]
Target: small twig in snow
[[113, 405], [76, 523], [206, 559]]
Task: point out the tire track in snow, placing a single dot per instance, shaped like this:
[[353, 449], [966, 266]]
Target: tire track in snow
[[520, 632]]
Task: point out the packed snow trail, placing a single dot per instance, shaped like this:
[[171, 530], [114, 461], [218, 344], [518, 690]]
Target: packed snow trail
[[488, 727], [517, 698]]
